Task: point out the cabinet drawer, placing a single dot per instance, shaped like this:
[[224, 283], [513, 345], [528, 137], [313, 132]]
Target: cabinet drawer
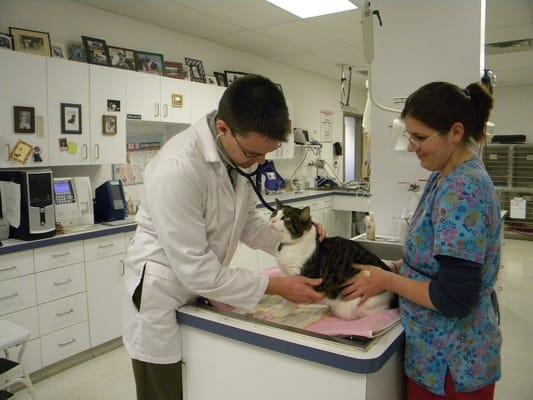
[[59, 314], [58, 255], [104, 246], [17, 294], [60, 282], [31, 359], [64, 343], [27, 318], [16, 264]]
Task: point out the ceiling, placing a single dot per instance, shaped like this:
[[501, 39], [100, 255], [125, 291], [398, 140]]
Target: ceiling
[[317, 44]]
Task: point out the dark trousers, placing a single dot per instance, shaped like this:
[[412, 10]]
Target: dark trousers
[[157, 381]]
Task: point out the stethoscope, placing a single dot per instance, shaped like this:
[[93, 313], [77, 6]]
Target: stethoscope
[[244, 174]]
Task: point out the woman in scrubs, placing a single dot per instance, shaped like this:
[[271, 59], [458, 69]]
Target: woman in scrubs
[[451, 253]]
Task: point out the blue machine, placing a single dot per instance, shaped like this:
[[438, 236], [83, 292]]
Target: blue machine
[[110, 202], [269, 178]]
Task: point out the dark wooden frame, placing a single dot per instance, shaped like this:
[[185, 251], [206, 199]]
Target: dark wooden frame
[[138, 65], [194, 63], [63, 125], [16, 115], [89, 53], [235, 73], [133, 67], [14, 32]]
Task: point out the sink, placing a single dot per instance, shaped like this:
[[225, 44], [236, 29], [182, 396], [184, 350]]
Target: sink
[[386, 249]]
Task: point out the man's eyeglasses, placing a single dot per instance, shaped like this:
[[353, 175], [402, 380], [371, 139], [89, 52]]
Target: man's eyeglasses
[[249, 154], [416, 141]]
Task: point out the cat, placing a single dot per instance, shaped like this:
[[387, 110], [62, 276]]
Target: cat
[[300, 253]]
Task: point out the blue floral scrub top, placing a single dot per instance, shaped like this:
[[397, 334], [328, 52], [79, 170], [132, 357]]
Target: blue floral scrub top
[[458, 217]]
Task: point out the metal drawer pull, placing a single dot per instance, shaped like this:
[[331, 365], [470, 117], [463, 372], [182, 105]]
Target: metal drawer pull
[[101, 246], [123, 270], [61, 255], [9, 297], [65, 313], [8, 268], [67, 343], [63, 282]]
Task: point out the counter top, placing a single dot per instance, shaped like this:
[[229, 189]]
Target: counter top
[[291, 197], [311, 347]]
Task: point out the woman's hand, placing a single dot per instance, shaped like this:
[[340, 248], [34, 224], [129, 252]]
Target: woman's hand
[[321, 231], [367, 283]]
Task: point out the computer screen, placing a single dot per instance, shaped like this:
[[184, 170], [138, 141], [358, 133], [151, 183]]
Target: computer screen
[[63, 191]]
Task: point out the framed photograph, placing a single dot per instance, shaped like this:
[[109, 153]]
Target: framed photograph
[[21, 152], [211, 80], [63, 144], [96, 50], [196, 68], [113, 105], [151, 63], [233, 75], [6, 41], [58, 51], [33, 42], [24, 119], [71, 118], [109, 124], [76, 52], [175, 70], [122, 58], [221, 78]]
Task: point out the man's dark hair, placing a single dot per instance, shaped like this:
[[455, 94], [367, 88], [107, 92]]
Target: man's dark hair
[[254, 104]]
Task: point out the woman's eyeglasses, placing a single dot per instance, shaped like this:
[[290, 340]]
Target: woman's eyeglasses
[[417, 142]]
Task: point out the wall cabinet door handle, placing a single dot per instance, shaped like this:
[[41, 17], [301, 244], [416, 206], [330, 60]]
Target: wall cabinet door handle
[[8, 151], [8, 268], [123, 268], [97, 151], [86, 152], [61, 255], [65, 313], [9, 296], [157, 109], [165, 110], [63, 282], [67, 343]]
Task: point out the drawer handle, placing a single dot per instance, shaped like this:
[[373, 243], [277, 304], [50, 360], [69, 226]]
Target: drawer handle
[[102, 246], [10, 296], [123, 270], [65, 313], [61, 255], [63, 282], [67, 343], [8, 268]]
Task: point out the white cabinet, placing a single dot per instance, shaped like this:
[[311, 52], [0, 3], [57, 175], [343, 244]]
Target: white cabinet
[[64, 343], [23, 84], [68, 83], [205, 99], [107, 84], [156, 98]]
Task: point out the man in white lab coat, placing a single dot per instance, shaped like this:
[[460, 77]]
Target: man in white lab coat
[[195, 210]]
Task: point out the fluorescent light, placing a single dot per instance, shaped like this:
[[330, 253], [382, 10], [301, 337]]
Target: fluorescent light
[[313, 8]]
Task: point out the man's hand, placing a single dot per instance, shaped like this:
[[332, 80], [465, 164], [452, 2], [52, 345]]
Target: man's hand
[[321, 231], [298, 289], [367, 283]]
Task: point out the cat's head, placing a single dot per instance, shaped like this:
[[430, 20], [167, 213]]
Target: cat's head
[[290, 222]]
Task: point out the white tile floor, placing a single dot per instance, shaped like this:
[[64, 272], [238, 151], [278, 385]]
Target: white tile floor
[[109, 376]]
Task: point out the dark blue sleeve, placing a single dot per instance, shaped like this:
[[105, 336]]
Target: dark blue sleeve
[[456, 289]]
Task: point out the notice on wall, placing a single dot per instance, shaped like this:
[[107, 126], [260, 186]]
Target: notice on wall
[[326, 126], [10, 202], [518, 208], [138, 155]]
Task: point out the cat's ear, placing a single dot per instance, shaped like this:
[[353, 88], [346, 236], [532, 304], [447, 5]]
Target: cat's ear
[[279, 205], [305, 213]]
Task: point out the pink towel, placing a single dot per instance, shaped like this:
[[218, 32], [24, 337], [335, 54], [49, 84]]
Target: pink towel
[[370, 326]]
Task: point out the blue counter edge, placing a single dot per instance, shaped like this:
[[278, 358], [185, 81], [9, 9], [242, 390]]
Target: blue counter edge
[[296, 350], [59, 239]]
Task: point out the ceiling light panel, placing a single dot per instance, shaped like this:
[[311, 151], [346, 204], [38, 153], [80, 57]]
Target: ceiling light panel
[[313, 8]]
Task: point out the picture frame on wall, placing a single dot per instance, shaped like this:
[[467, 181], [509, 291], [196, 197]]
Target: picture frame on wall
[[24, 119], [58, 51], [221, 78], [6, 41], [71, 118], [211, 80], [233, 75], [122, 58], [109, 124], [196, 69], [175, 70], [96, 50], [33, 42], [151, 63], [76, 52]]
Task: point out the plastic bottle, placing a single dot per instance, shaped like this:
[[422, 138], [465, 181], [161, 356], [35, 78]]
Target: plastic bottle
[[370, 226]]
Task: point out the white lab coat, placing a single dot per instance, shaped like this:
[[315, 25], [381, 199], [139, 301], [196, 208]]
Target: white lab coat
[[189, 225]]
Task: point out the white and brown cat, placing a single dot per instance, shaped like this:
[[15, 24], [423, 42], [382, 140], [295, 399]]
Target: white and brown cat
[[300, 252]]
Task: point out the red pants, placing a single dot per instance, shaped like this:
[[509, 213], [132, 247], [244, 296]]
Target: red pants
[[416, 392]]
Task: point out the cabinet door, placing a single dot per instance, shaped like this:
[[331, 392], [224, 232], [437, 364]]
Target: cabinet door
[[204, 100], [143, 95], [286, 151], [108, 142], [175, 100], [22, 83], [105, 297], [68, 83]]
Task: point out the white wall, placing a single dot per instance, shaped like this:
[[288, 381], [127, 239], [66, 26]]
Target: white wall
[[67, 21], [512, 113], [420, 42]]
